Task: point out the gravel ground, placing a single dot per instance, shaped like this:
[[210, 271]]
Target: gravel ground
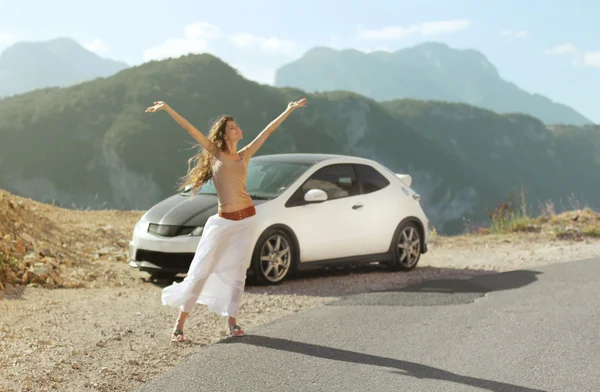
[[115, 337], [113, 334]]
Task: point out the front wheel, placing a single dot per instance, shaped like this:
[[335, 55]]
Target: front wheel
[[406, 248], [273, 257], [162, 275]]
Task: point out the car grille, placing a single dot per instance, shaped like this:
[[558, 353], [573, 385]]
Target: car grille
[[179, 261], [170, 231]]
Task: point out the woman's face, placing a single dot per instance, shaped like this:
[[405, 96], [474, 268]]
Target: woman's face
[[232, 131]]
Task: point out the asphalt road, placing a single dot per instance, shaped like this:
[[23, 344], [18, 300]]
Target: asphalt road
[[533, 330]]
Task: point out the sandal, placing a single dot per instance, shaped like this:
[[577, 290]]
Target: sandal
[[177, 335], [236, 330]]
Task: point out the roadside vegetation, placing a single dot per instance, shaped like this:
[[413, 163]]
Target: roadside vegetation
[[514, 216]]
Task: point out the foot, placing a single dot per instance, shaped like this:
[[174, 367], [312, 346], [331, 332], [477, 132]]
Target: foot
[[236, 330], [177, 335]]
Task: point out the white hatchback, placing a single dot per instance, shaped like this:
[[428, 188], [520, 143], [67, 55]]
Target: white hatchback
[[313, 211]]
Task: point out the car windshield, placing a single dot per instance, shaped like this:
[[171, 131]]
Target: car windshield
[[265, 180]]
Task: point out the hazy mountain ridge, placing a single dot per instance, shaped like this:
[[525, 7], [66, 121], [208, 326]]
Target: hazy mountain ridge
[[429, 71], [60, 62]]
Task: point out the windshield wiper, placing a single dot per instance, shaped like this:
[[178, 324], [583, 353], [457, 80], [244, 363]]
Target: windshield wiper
[[259, 197]]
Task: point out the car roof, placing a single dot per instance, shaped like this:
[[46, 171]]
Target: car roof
[[303, 158]]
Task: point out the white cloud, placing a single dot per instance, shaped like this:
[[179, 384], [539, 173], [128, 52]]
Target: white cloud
[[97, 46], [6, 39], [266, 44], [425, 29], [195, 40], [561, 50], [515, 33], [592, 59], [255, 56], [587, 59]]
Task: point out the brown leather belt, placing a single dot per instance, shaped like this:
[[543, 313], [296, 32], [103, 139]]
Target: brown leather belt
[[239, 214]]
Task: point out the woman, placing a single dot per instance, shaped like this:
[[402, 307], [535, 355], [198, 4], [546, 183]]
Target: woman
[[217, 274]]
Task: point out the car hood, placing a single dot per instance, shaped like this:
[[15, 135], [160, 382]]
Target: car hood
[[185, 210]]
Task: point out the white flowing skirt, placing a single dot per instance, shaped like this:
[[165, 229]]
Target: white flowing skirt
[[217, 274]]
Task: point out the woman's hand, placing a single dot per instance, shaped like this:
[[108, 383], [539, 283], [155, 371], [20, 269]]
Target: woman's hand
[[185, 124], [255, 144], [297, 104], [159, 105]]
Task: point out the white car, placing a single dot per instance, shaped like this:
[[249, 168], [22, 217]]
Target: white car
[[313, 211]]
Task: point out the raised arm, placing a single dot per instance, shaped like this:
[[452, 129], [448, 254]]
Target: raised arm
[[185, 124], [250, 149]]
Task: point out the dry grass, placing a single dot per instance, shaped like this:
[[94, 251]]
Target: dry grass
[[509, 222], [575, 224]]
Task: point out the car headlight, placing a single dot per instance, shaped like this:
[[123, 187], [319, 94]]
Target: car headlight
[[141, 226], [197, 231]]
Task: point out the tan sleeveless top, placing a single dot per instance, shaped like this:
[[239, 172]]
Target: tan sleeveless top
[[229, 179]]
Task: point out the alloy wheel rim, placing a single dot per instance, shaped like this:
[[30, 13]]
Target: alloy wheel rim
[[275, 258], [409, 247]]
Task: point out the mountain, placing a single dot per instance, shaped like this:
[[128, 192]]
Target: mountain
[[551, 163], [61, 62], [579, 149], [92, 146], [430, 71]]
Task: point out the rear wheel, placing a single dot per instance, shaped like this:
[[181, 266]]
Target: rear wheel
[[273, 259], [406, 248]]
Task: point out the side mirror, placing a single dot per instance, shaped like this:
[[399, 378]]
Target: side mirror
[[315, 196]]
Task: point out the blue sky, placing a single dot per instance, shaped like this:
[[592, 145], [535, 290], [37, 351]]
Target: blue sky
[[551, 50]]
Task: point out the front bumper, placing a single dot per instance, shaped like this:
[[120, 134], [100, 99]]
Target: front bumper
[[152, 253], [150, 261]]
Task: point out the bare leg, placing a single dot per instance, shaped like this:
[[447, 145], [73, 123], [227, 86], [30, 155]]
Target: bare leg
[[181, 319], [186, 309], [178, 331]]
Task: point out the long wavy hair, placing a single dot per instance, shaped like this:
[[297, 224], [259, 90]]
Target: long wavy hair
[[200, 165]]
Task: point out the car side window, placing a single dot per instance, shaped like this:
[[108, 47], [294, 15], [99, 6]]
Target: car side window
[[337, 181], [370, 178]]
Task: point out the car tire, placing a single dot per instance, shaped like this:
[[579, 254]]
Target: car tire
[[161, 275], [406, 247], [274, 258]]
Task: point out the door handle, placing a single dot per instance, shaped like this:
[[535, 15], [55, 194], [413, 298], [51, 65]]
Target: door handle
[[357, 206]]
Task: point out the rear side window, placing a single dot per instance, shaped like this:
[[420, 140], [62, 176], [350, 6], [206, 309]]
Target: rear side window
[[370, 178], [337, 181]]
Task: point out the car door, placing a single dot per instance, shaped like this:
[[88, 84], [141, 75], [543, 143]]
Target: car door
[[329, 229], [379, 215]]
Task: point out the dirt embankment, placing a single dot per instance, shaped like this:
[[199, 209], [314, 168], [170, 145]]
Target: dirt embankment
[[45, 246]]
